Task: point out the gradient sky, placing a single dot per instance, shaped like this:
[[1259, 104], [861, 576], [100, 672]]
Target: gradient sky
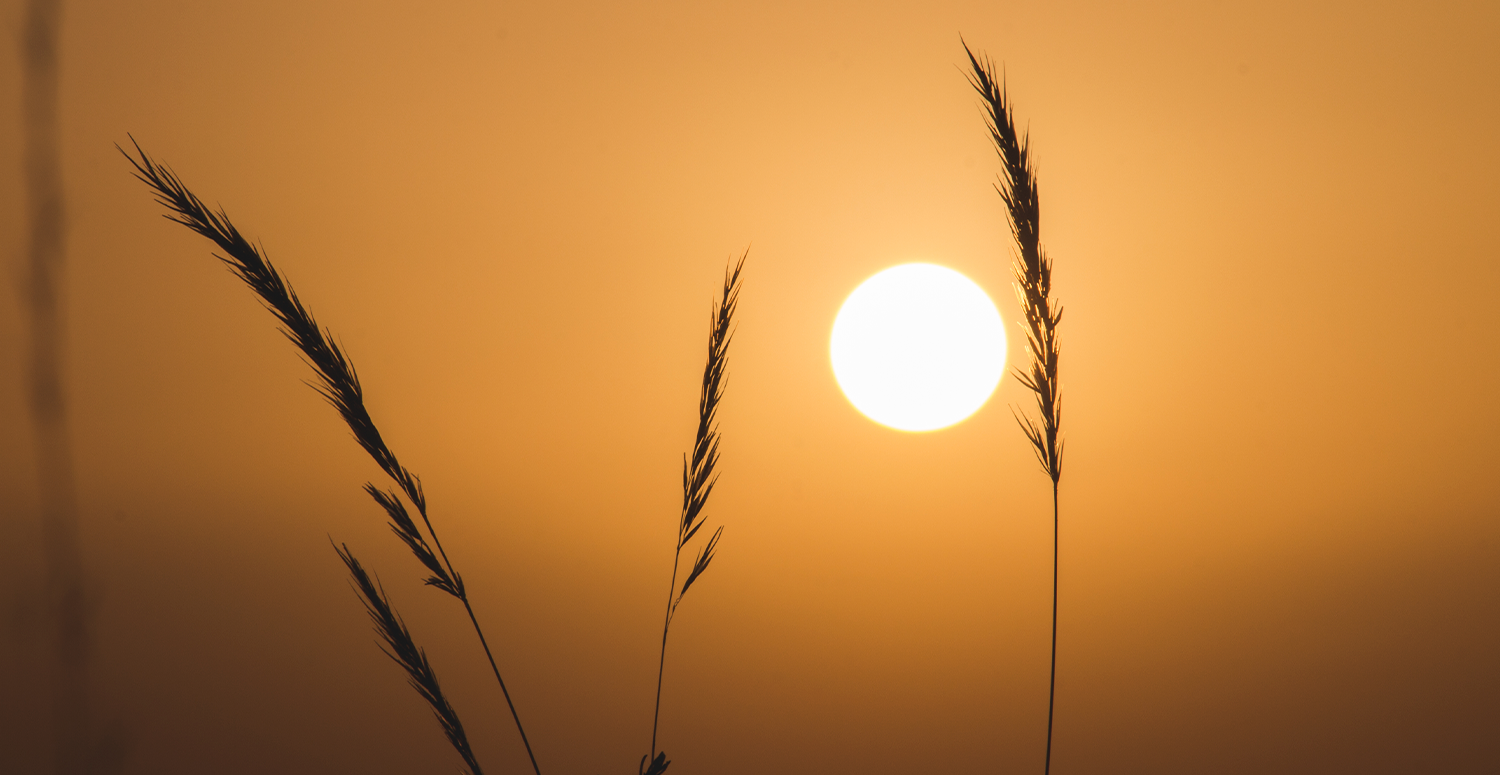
[[1275, 234]]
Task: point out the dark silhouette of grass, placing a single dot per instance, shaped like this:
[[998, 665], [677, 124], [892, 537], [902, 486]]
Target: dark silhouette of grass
[[1033, 273], [698, 478], [79, 742], [338, 383], [400, 647]]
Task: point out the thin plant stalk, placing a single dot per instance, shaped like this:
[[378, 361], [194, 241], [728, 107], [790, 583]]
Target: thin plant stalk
[[336, 381], [698, 478], [76, 745], [1033, 275]]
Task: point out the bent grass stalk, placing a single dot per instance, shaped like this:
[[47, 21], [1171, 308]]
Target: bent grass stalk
[[1033, 275], [698, 478], [399, 646], [338, 383]]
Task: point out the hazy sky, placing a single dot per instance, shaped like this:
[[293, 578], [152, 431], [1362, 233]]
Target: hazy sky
[[1275, 238]]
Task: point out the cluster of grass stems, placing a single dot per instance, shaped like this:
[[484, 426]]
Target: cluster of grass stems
[[338, 383], [1033, 275]]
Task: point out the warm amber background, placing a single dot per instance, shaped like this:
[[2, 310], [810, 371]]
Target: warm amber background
[[1276, 238]]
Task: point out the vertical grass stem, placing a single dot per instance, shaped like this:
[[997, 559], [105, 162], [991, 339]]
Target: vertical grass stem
[[698, 477], [1033, 274]]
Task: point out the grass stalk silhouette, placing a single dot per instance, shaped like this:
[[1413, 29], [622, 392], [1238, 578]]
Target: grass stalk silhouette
[[338, 383], [698, 478], [399, 646], [1033, 275]]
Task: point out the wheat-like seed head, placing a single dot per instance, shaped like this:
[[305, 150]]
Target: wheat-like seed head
[[399, 646], [336, 378], [1032, 268], [698, 475]]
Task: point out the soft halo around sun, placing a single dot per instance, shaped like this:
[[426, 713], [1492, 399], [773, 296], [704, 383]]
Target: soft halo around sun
[[918, 347]]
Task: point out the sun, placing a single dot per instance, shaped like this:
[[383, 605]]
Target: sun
[[918, 347]]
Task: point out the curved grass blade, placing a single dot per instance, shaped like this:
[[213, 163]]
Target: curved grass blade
[[397, 644], [336, 381]]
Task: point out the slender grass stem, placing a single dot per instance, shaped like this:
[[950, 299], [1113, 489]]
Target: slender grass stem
[[1052, 679], [662, 663], [491, 657], [463, 596], [67, 595], [1033, 274], [698, 479]]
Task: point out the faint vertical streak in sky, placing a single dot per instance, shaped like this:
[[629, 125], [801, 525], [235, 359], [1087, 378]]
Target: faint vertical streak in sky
[[66, 613]]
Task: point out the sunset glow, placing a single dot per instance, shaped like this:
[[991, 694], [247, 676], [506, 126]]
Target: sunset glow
[[1272, 545]]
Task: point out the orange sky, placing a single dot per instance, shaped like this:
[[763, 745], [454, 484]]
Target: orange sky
[[1275, 237]]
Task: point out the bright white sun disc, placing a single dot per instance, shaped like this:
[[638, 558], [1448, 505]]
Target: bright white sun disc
[[918, 347]]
